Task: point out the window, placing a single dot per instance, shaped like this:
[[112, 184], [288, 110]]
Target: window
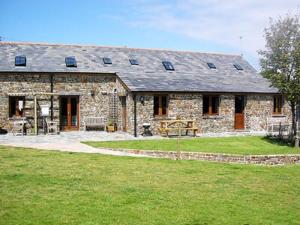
[[238, 67], [107, 60], [16, 105], [20, 60], [277, 104], [168, 65], [210, 105], [211, 66], [134, 61], [70, 61], [160, 105]]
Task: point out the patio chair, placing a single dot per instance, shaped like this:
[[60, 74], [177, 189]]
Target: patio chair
[[18, 127], [52, 127]]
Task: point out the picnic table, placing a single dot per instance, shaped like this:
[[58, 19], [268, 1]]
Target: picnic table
[[167, 126]]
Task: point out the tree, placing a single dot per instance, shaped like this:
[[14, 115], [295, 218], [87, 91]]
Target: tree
[[280, 60]]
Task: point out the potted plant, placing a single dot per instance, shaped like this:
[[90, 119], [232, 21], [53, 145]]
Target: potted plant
[[110, 126]]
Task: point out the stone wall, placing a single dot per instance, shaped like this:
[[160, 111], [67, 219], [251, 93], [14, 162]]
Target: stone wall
[[224, 122], [65, 84], [259, 108], [219, 157], [189, 106], [90, 106], [184, 105], [23, 83]]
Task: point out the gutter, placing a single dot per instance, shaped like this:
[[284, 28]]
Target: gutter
[[51, 90], [134, 115]]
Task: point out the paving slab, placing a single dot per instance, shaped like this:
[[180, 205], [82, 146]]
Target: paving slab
[[71, 141]]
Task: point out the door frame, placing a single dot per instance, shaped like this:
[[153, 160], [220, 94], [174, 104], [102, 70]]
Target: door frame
[[69, 116], [239, 118]]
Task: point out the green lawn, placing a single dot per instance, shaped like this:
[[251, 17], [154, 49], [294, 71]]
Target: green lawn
[[248, 145], [45, 187]]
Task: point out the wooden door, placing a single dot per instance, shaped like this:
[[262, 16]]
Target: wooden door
[[69, 113], [239, 117], [124, 114]]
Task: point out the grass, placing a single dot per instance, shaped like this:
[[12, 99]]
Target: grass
[[47, 187], [249, 145]]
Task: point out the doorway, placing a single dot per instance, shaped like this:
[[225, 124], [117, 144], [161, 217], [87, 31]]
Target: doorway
[[239, 117], [69, 113], [124, 113]]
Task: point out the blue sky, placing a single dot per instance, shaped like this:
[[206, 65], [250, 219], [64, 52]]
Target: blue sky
[[199, 25]]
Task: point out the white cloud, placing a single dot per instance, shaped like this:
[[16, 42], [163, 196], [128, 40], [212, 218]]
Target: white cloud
[[217, 21]]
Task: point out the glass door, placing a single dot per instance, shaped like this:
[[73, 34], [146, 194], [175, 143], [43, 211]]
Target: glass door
[[69, 106]]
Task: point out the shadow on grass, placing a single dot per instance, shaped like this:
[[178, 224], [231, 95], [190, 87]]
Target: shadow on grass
[[277, 141]]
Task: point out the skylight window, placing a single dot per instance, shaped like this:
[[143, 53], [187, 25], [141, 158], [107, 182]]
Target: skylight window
[[134, 61], [168, 65], [107, 60], [211, 66], [238, 67], [20, 60], [70, 61]]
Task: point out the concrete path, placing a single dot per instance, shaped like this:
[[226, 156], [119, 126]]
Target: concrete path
[[70, 142]]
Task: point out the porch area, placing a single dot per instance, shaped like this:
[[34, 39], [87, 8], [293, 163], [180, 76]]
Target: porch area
[[38, 113], [70, 141]]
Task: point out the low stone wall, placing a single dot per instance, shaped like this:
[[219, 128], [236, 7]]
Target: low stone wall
[[217, 157]]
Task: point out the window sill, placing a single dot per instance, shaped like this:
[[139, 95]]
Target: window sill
[[212, 117], [278, 115], [160, 117]]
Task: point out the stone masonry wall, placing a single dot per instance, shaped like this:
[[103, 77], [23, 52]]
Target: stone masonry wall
[[224, 122], [186, 106], [259, 108], [93, 106], [65, 84], [270, 160], [22, 83], [189, 106]]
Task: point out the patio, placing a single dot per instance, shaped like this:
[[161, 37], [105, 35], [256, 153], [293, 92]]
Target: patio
[[69, 141]]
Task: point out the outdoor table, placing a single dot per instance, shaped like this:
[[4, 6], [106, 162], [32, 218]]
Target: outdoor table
[[186, 125]]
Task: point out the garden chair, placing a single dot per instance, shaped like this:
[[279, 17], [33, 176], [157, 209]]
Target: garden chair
[[52, 127], [18, 127]]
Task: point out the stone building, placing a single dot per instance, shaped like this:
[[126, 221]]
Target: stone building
[[134, 86]]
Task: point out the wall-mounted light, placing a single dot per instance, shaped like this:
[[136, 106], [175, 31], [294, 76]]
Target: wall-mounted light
[[92, 93], [142, 99]]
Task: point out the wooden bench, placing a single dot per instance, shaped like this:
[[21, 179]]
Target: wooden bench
[[178, 126], [94, 122]]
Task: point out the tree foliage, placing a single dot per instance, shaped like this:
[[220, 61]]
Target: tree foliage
[[280, 60]]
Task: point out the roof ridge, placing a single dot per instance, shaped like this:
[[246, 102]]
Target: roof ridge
[[122, 47]]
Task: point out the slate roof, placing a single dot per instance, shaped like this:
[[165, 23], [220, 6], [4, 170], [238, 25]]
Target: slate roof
[[191, 71]]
